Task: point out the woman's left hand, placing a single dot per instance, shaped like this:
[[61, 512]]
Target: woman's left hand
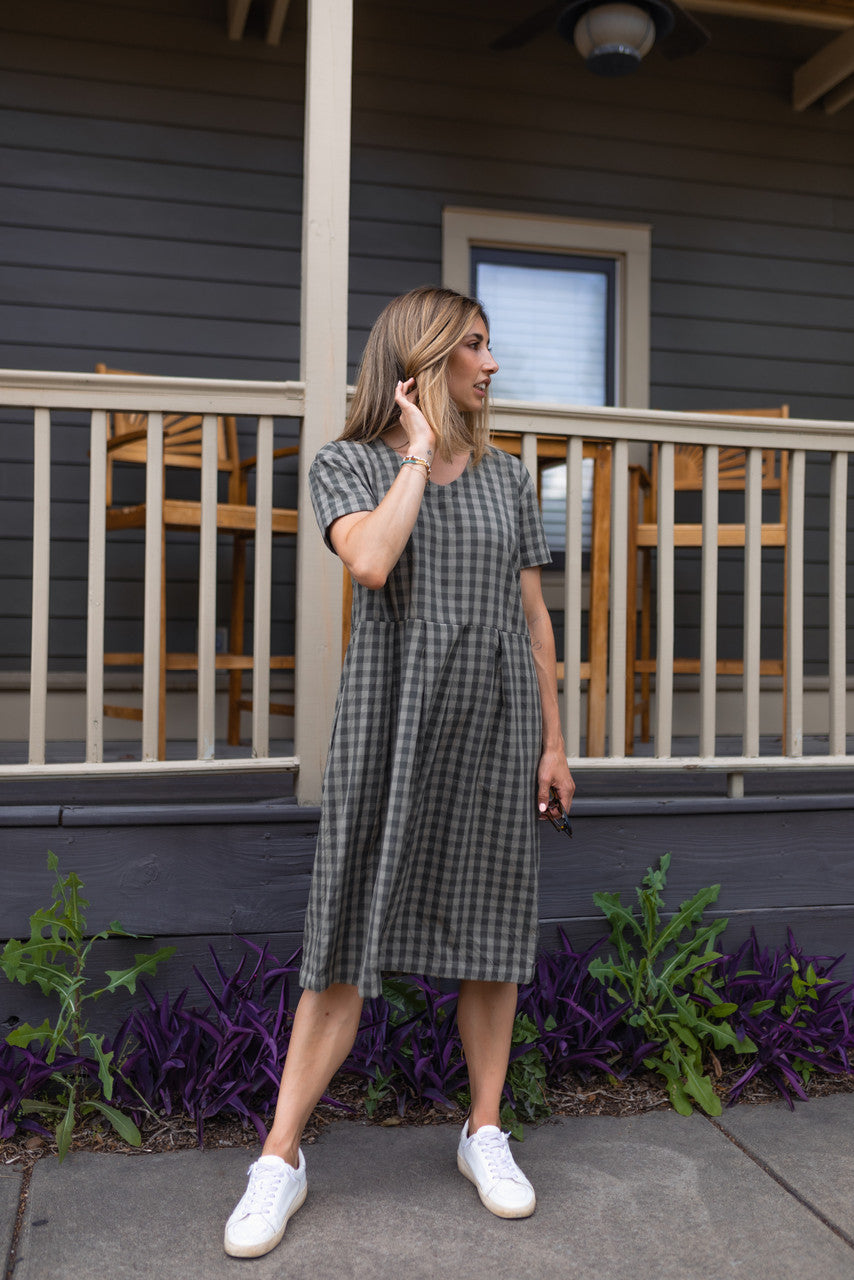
[[553, 771]]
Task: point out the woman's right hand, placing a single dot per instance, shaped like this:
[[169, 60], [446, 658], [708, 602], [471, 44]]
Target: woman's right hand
[[421, 438]]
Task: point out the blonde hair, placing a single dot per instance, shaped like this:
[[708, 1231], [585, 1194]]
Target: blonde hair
[[414, 338]]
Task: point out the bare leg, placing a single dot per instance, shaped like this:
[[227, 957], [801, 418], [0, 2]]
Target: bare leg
[[325, 1026], [485, 1016]]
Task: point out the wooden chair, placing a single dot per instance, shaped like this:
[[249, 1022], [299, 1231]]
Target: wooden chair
[[643, 536], [182, 436]]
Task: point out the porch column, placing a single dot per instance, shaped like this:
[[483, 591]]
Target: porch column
[[325, 237]]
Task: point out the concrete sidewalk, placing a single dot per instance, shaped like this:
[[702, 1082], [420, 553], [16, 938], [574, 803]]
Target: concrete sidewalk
[[761, 1193]]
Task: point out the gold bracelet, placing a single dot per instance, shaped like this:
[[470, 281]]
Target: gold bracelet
[[419, 462]]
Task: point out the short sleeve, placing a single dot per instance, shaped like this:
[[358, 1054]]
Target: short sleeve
[[339, 485], [533, 547]]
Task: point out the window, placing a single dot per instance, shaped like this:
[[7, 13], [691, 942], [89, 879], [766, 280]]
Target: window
[[552, 322]]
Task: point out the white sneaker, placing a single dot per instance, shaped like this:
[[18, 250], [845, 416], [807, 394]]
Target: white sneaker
[[486, 1161], [275, 1192]]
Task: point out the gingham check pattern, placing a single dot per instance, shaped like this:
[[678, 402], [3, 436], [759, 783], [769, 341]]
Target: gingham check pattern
[[428, 848]]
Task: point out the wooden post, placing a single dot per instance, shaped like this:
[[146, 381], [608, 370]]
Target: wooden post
[[597, 626], [325, 239], [206, 643], [572, 598], [619, 597], [95, 592], [154, 643], [709, 603], [41, 585], [262, 590], [664, 622], [752, 600], [794, 620], [836, 602]]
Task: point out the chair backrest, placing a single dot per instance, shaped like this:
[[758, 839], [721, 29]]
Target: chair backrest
[[732, 463], [182, 436]]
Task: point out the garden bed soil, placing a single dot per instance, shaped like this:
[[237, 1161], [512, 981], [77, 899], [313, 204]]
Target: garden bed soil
[[594, 1096]]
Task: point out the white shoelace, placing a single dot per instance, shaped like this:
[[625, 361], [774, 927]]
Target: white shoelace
[[263, 1188], [496, 1155]]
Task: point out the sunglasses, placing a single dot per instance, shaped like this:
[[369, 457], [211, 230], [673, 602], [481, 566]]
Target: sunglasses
[[557, 815]]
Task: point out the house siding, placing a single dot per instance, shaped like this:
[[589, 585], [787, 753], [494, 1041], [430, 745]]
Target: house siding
[[150, 197]]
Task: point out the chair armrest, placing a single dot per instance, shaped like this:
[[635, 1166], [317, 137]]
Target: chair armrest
[[286, 452], [127, 437]]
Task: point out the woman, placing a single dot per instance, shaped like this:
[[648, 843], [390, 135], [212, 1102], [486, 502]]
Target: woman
[[446, 739]]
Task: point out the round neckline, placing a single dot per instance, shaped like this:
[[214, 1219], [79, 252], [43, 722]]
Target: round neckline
[[431, 484]]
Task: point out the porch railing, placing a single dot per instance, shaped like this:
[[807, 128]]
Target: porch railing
[[98, 395], [626, 430], [626, 427]]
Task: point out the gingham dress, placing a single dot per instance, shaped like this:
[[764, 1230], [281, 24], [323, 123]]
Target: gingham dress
[[428, 848]]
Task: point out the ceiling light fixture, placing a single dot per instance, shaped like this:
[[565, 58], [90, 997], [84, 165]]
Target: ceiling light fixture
[[613, 38]]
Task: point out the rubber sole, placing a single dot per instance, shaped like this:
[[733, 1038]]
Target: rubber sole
[[258, 1250], [499, 1210]]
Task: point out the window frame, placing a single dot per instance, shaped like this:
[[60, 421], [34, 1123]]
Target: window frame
[[629, 244]]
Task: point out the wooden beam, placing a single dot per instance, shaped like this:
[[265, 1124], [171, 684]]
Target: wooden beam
[[839, 98], [276, 20], [823, 71], [834, 16], [238, 12]]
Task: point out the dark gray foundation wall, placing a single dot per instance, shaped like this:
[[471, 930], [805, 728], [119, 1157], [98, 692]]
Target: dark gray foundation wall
[[197, 872]]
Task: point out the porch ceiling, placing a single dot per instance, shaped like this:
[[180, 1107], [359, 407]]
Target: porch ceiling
[[828, 76]]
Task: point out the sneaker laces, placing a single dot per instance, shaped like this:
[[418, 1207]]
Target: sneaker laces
[[264, 1184], [496, 1155]]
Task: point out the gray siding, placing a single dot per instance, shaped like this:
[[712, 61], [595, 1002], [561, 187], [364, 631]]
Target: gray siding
[[150, 188]]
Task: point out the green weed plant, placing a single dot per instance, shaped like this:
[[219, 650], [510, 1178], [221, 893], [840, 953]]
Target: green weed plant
[[660, 966], [526, 1078], [56, 957]]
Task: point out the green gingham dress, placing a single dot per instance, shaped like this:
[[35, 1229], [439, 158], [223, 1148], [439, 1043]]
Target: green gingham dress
[[428, 847]]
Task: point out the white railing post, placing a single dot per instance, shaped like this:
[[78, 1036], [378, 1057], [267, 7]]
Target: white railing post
[[40, 585], [152, 648], [709, 604], [572, 597], [794, 622], [836, 602], [206, 708], [262, 592], [752, 599], [663, 724], [325, 228], [528, 449], [95, 589], [619, 598]]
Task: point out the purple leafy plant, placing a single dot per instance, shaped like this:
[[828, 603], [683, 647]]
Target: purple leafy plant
[[579, 1027], [409, 1046], [25, 1073], [227, 1057], [797, 1013]]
